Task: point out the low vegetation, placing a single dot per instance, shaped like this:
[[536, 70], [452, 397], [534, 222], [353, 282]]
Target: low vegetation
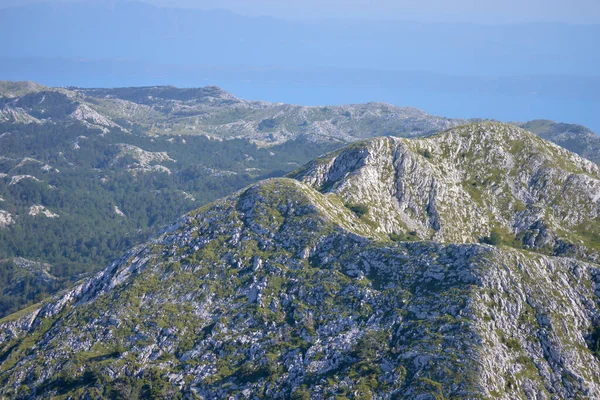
[[85, 185]]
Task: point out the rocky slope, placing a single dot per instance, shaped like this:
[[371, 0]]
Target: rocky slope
[[305, 288], [209, 111], [166, 110], [577, 138], [98, 171], [462, 185], [216, 113], [72, 178]]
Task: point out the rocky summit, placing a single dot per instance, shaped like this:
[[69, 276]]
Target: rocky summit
[[462, 265], [465, 184]]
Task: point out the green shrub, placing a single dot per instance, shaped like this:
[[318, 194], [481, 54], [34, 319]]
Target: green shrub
[[370, 345], [395, 237], [594, 341], [300, 393], [265, 124], [358, 209], [494, 239]]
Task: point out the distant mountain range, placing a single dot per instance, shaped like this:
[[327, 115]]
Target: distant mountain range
[[212, 112], [96, 171], [506, 72], [460, 265]]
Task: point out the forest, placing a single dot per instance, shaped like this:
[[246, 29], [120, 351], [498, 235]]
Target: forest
[[84, 177]]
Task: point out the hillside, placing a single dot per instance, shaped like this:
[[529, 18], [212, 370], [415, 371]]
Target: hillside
[[576, 138], [464, 184], [97, 171], [211, 111], [363, 277]]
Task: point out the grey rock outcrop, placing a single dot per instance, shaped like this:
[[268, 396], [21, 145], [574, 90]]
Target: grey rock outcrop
[[461, 185]]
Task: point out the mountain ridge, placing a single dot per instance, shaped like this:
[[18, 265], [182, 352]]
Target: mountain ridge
[[216, 113], [97, 158], [416, 121], [228, 301], [403, 178]]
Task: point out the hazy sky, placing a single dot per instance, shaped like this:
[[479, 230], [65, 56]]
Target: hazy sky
[[488, 11], [463, 10]]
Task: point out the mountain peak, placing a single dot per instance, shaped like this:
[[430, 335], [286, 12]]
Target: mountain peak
[[17, 89], [467, 183]]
